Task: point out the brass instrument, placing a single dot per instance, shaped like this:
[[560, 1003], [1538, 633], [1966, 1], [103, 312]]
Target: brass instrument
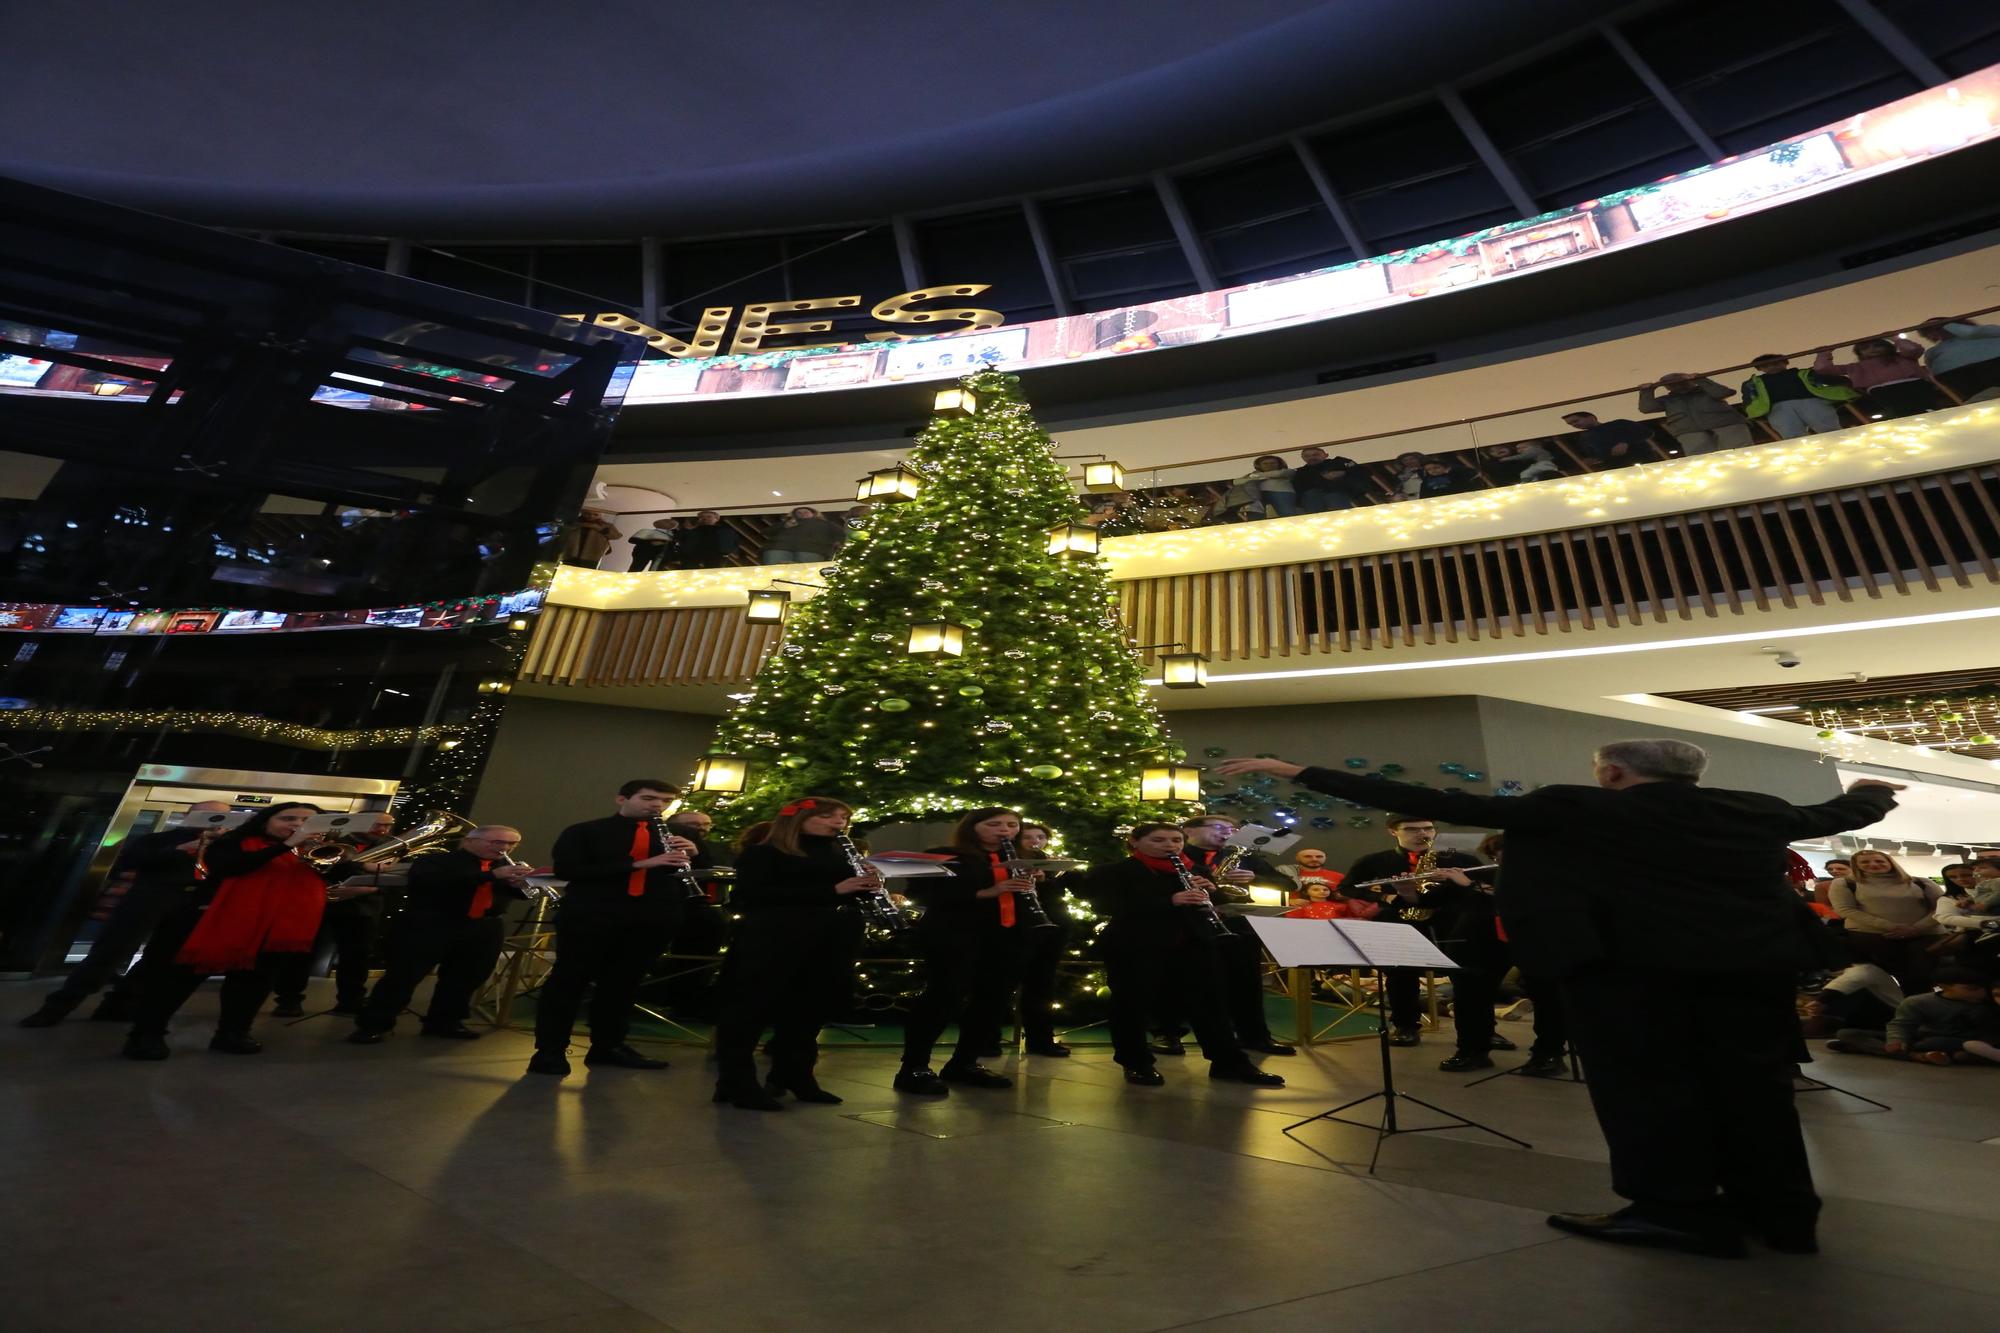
[[1225, 861], [1425, 869], [532, 892], [876, 907], [1028, 901], [1209, 925], [685, 874], [436, 826]]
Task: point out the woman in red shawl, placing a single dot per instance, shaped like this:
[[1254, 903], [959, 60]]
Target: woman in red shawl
[[258, 898]]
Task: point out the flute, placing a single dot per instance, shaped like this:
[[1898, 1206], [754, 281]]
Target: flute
[[1415, 875]]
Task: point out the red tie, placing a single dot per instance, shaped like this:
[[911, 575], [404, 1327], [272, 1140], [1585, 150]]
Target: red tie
[[482, 897], [1000, 876], [642, 847]]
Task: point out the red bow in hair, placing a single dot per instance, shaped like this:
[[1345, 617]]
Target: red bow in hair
[[796, 806]]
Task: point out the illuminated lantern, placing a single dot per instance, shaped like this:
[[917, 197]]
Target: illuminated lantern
[[935, 638], [890, 483], [1184, 671], [1170, 783], [767, 605], [720, 773], [959, 401], [1073, 541], [1104, 476]]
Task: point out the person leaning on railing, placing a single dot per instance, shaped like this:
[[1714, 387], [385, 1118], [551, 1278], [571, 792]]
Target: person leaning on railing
[[1795, 402], [1890, 374], [1964, 356], [1263, 492], [1698, 412]]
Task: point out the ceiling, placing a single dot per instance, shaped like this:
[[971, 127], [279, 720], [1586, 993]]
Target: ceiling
[[469, 117], [1907, 709]]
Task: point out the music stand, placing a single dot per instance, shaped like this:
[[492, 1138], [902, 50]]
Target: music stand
[[1375, 945]]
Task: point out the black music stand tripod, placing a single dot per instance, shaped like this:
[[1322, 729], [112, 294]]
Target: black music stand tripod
[[1352, 940]]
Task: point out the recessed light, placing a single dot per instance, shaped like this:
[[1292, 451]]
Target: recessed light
[[1774, 708]]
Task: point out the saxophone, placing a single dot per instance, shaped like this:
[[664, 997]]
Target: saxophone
[[1411, 911], [1225, 862]]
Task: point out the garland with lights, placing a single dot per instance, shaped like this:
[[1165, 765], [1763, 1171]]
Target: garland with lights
[[252, 725], [1964, 723]]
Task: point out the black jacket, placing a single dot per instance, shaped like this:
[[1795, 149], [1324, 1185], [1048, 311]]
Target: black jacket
[[155, 861], [1139, 901], [1456, 913], [1665, 875], [596, 858], [442, 884], [775, 887], [952, 902]]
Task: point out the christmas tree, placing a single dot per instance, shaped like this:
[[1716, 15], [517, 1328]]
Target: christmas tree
[[1042, 709]]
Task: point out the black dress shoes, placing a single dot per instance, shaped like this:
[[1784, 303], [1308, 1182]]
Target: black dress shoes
[[1245, 1073], [921, 1083], [1053, 1049], [750, 1097], [283, 1009], [457, 1032], [367, 1037], [1500, 1043], [146, 1048], [1404, 1036], [1465, 1062], [805, 1089], [346, 1008], [52, 1012], [1625, 1227], [1145, 1078], [1545, 1066], [113, 1008], [620, 1056], [235, 1043], [1168, 1046], [554, 1063], [1270, 1046], [974, 1076]]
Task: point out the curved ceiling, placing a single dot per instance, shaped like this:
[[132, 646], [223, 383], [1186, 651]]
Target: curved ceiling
[[474, 118]]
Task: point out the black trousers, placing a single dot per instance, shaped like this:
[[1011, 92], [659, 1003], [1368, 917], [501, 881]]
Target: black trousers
[[611, 957], [1151, 974], [164, 985], [461, 949], [1903, 400], [1040, 961], [1475, 988], [1551, 1018], [130, 924], [787, 975], [1690, 1074], [349, 930], [1240, 971], [970, 971]]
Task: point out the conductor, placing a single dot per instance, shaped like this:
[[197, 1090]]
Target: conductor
[[1678, 974]]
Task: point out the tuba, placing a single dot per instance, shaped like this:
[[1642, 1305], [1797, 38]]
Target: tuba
[[436, 826]]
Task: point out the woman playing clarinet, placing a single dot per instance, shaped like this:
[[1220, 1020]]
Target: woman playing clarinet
[[263, 909], [971, 938], [791, 953], [1156, 955]]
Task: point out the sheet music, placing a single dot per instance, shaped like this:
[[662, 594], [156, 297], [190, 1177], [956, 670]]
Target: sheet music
[[1392, 944], [1296, 942]]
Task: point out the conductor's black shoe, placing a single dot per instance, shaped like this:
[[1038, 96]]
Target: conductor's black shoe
[[1465, 1061], [549, 1062], [620, 1057], [1404, 1036], [1500, 1043], [1168, 1046], [1145, 1078], [750, 1097], [1053, 1049], [146, 1048], [288, 1009], [113, 1008], [922, 1083], [806, 1089], [457, 1032], [1245, 1073], [235, 1043], [346, 1008], [1545, 1066], [52, 1012], [1270, 1046], [1626, 1228], [974, 1076], [367, 1037]]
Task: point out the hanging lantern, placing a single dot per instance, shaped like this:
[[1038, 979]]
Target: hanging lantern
[[957, 400], [1170, 783], [1103, 476], [720, 773], [937, 638], [1073, 541], [890, 483], [767, 605], [1184, 671]]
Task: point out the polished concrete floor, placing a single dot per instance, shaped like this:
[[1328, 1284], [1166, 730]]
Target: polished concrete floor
[[425, 1185]]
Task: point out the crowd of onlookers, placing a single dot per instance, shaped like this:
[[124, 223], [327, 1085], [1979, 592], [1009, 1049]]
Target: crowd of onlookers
[[1887, 376]]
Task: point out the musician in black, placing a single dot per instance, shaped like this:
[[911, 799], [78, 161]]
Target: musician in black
[[971, 937], [1157, 956], [693, 993], [1436, 898], [163, 874], [790, 955], [1240, 959], [627, 891], [452, 921], [1044, 952], [348, 930]]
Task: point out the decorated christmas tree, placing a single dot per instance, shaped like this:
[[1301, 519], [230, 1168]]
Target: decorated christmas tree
[[952, 660]]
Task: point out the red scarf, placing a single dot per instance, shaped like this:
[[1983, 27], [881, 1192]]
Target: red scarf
[[276, 908], [482, 897], [642, 847], [1000, 876], [1156, 863]]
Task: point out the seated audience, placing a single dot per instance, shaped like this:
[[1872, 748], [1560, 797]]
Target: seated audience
[[1957, 1023], [1321, 483], [1889, 918], [1609, 444], [1795, 402], [1890, 375], [1835, 869], [1698, 413], [1964, 356], [1309, 864], [1506, 464], [1320, 901]]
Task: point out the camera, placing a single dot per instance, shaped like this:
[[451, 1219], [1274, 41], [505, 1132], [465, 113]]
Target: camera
[[1788, 659]]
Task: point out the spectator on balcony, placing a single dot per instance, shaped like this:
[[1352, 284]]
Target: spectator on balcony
[[805, 536], [1506, 464], [1796, 402], [1964, 357], [1409, 470], [1263, 492], [1698, 413], [653, 546], [706, 545], [1322, 483], [1446, 476], [588, 539], [1889, 373], [1608, 444]]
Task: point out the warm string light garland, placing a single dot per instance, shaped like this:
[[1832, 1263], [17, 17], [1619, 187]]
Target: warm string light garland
[[237, 724], [1965, 723]]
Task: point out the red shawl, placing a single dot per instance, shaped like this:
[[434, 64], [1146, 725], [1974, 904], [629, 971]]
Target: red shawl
[[276, 908]]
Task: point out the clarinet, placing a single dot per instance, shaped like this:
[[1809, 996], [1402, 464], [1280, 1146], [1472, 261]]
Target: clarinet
[[1209, 925], [876, 907], [1029, 902], [683, 874]]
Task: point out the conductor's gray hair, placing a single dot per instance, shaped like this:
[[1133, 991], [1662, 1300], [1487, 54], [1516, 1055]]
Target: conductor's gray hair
[[1673, 761]]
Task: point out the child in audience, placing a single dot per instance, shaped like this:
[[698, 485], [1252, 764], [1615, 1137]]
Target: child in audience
[[1957, 1023]]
